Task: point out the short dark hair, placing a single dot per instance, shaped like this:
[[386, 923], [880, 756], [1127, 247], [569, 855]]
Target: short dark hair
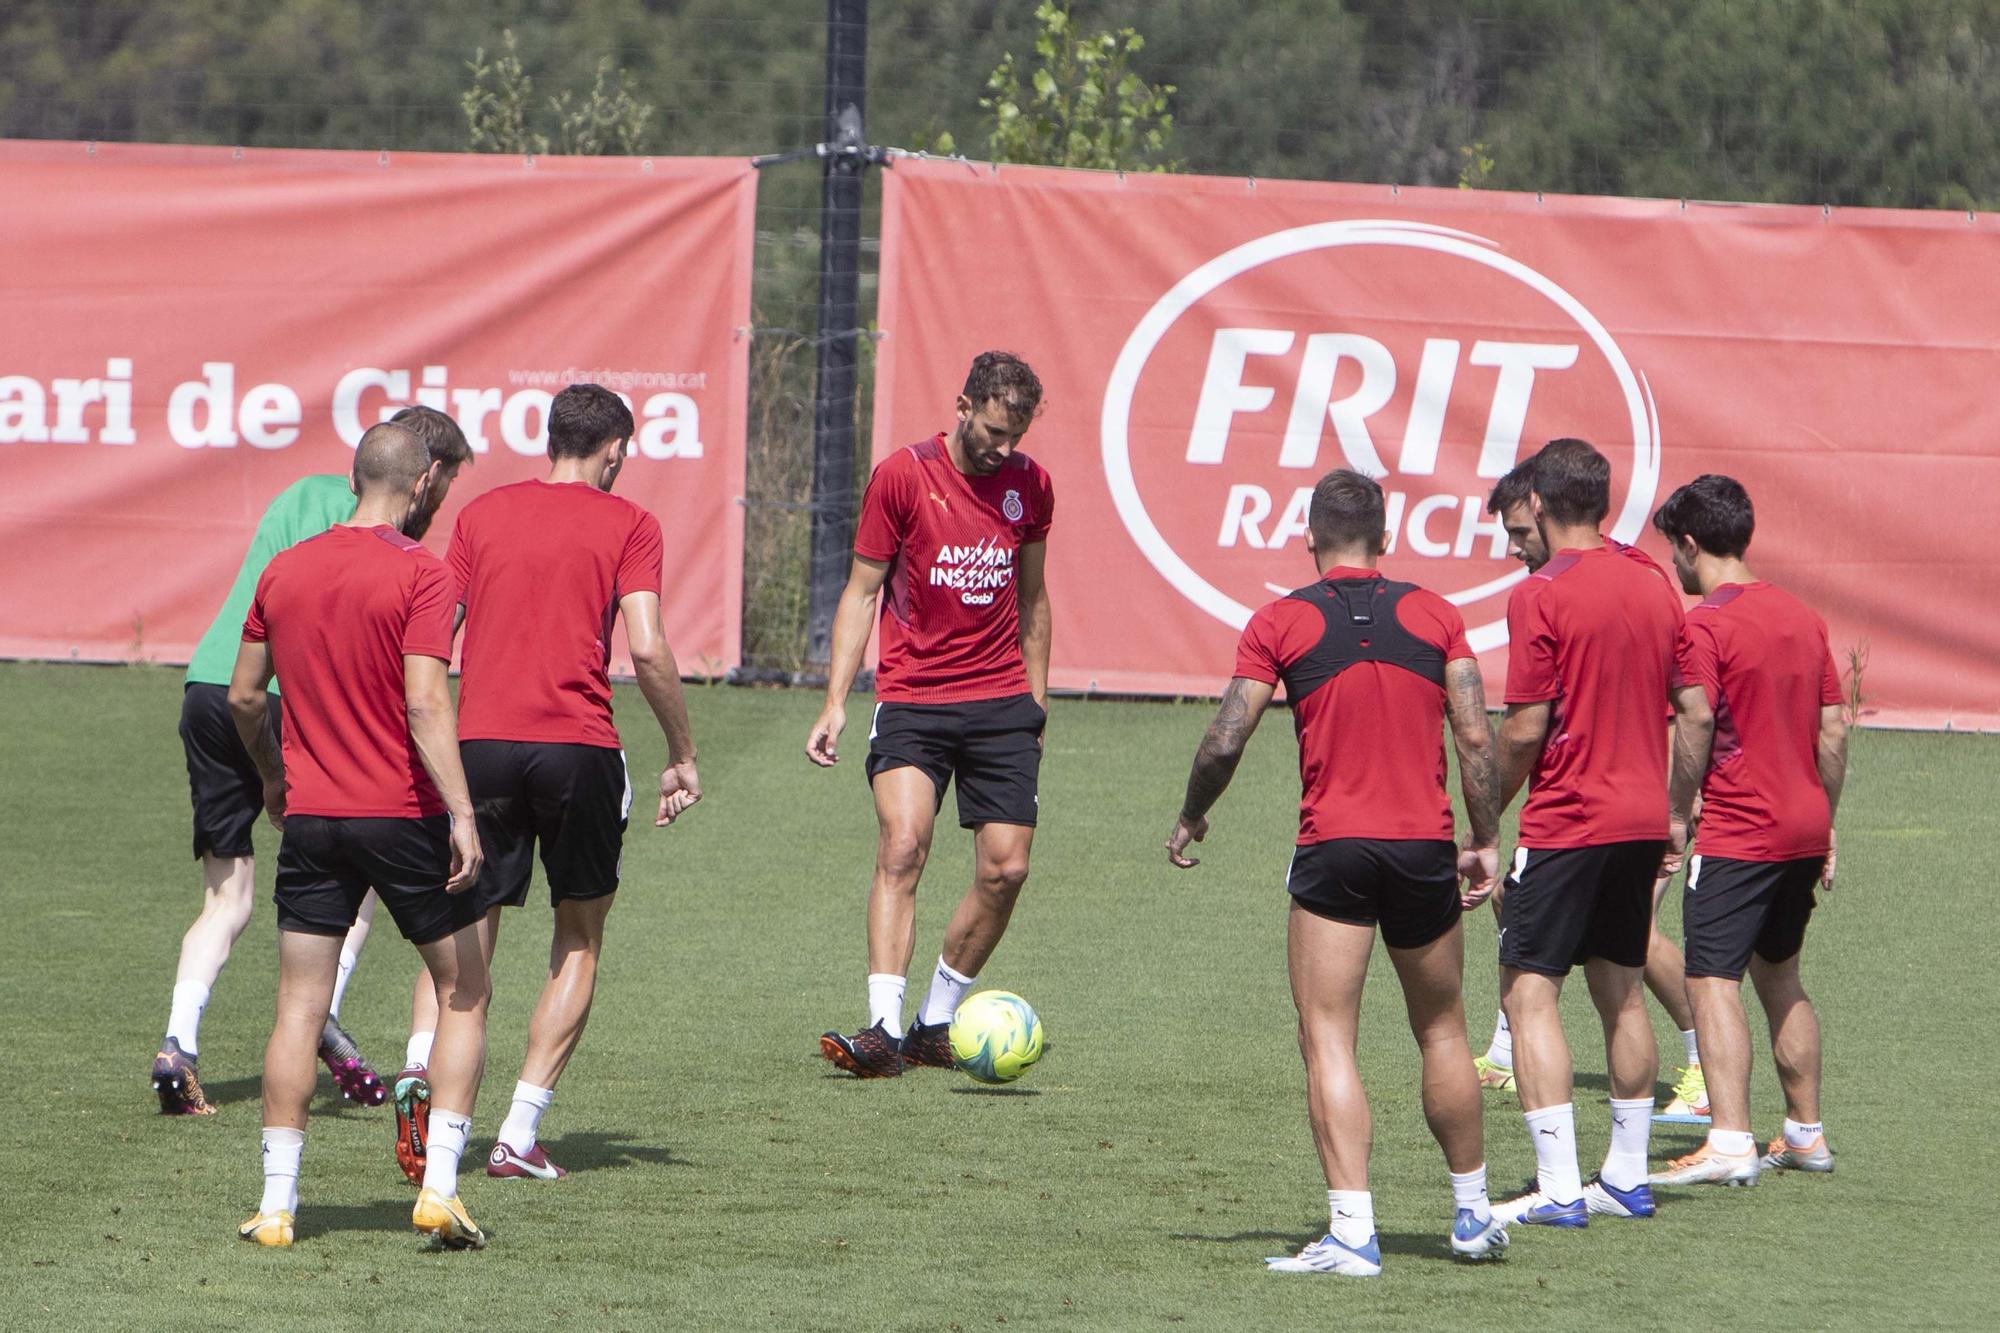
[[1346, 508], [443, 440], [1513, 488], [582, 417], [1714, 510], [1574, 481], [1006, 378]]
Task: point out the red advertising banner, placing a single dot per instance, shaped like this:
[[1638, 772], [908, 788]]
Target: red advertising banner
[[189, 330], [1210, 347]]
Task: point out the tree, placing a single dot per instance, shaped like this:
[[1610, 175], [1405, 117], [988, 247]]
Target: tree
[[1081, 105], [496, 106]]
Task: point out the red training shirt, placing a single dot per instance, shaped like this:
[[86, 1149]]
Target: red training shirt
[[540, 567], [340, 612], [951, 628], [1371, 740], [1762, 656], [1592, 633]]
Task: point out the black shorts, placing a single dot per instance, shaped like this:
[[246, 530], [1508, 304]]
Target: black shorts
[[1409, 887], [1567, 905], [573, 799], [1731, 909], [223, 783], [326, 867], [992, 746]]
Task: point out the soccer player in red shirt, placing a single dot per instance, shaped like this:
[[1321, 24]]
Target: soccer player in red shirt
[[1509, 503], [368, 791], [228, 794], [1373, 670], [541, 570], [1769, 753], [955, 528], [1590, 669]]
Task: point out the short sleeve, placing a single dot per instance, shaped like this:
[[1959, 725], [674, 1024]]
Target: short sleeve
[[1677, 676], [459, 559], [1830, 691], [255, 630], [1045, 509], [1435, 621], [1532, 676], [427, 627], [1258, 654], [639, 563], [885, 512], [1698, 658]]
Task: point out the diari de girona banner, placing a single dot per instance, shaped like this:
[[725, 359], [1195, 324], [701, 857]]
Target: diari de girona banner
[[188, 331], [1210, 347]]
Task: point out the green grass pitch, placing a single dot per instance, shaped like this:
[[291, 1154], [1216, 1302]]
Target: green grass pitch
[[724, 1178]]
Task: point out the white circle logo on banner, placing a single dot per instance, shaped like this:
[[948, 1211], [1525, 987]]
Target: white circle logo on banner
[[1190, 291]]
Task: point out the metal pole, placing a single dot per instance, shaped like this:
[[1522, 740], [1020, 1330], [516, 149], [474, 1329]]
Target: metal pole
[[839, 280]]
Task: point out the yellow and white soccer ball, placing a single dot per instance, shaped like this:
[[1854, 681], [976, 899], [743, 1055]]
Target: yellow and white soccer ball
[[995, 1036]]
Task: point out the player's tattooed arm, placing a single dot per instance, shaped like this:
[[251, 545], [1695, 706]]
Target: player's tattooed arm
[[1694, 735], [1517, 744], [1243, 703], [1472, 736], [250, 709]]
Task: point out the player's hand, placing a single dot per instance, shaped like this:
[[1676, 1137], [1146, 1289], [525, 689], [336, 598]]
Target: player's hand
[[1185, 832], [466, 855], [1479, 867], [680, 787], [274, 801], [1826, 871], [1677, 845], [825, 735]]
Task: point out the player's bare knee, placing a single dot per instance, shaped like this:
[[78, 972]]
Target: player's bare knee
[[1003, 879], [467, 994], [900, 856]]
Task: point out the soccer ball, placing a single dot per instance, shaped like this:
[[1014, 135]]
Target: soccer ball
[[995, 1036]]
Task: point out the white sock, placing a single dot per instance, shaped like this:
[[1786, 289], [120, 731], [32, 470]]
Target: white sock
[[418, 1052], [885, 1001], [1631, 1135], [282, 1148], [347, 962], [948, 987], [1553, 1130], [1802, 1136], [524, 1117], [184, 1019], [1469, 1191], [448, 1134], [1501, 1050], [1351, 1216], [1732, 1142], [1694, 1055]]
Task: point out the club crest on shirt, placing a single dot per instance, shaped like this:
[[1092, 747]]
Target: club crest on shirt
[[1011, 507]]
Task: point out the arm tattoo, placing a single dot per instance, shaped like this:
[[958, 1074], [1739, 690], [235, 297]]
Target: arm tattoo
[[264, 751], [1215, 761], [1694, 739], [1472, 736]]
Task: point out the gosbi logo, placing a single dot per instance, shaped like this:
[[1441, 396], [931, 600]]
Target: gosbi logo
[[1425, 357], [975, 570]]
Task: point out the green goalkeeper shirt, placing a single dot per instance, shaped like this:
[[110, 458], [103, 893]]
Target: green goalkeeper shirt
[[304, 509]]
